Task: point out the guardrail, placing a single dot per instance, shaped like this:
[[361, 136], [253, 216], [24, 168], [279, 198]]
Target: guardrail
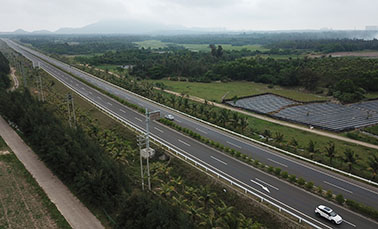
[[230, 131], [195, 161], [235, 133]]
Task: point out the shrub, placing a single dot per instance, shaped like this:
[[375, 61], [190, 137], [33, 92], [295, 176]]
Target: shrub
[[277, 171], [301, 181], [270, 169], [309, 185], [366, 210], [340, 199], [329, 194], [320, 190], [284, 174], [292, 178], [237, 154]]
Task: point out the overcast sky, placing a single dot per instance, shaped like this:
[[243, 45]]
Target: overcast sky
[[229, 14]]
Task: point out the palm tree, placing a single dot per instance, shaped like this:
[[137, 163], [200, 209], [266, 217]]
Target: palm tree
[[243, 123], [166, 190], [210, 220], [330, 148], [172, 100], [206, 196], [235, 119], [350, 158], [373, 165], [245, 222], [224, 212], [194, 211], [223, 117]]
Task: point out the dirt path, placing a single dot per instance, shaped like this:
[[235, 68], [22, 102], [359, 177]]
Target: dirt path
[[315, 131], [15, 80], [76, 214]]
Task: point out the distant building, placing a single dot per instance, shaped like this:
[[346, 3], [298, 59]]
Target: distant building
[[371, 27]]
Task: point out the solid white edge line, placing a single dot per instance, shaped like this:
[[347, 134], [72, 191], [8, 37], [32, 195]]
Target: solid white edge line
[[122, 120], [111, 113]]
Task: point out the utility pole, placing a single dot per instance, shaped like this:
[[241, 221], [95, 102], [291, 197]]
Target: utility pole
[[147, 152]]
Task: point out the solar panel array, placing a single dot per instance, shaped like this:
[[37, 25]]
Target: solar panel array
[[329, 116], [263, 103], [368, 106]]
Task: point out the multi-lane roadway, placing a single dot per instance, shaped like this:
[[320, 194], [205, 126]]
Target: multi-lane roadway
[[278, 191]]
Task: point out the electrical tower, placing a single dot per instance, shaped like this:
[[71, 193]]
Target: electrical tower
[[146, 152]]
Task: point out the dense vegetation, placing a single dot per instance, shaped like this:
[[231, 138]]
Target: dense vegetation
[[101, 166], [80, 44], [4, 71], [346, 78], [327, 46]]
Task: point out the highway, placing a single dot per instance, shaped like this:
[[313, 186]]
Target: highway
[[278, 191]]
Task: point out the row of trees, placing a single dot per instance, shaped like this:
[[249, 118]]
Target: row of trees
[[4, 71], [328, 45]]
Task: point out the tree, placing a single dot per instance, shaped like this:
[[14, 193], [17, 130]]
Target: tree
[[350, 158], [373, 165], [206, 196], [243, 123], [330, 148]]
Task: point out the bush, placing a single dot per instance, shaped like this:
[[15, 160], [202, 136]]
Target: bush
[[320, 190], [365, 210], [301, 181], [256, 162], [270, 169], [277, 171], [237, 154], [309, 185], [329, 194], [284, 174], [292, 178], [340, 199]]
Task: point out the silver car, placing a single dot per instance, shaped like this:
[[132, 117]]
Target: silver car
[[329, 214], [169, 117]]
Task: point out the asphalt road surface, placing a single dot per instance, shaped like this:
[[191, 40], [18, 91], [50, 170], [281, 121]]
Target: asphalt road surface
[[280, 192]]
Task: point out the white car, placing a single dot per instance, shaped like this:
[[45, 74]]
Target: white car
[[169, 117], [329, 214]]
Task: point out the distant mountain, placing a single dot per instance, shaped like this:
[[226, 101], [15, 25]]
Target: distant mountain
[[133, 27], [42, 32], [20, 31]]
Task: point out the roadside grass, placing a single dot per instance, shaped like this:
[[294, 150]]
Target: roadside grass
[[85, 107], [109, 67], [372, 129], [371, 95], [191, 175], [3, 145], [23, 201], [216, 90]]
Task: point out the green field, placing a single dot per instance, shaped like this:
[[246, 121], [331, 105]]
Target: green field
[[156, 44], [215, 91]]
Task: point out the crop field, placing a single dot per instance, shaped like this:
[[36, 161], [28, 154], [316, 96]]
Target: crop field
[[23, 204], [156, 44], [215, 91]]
